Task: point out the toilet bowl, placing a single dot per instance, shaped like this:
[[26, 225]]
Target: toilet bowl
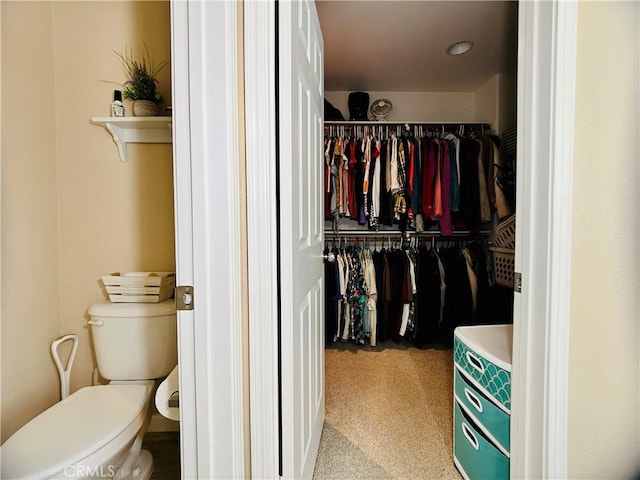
[[86, 434], [97, 431]]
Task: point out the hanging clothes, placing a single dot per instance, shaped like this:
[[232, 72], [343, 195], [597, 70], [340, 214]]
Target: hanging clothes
[[415, 183], [376, 178], [409, 294]]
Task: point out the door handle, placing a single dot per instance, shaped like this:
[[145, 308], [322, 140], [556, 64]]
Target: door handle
[[329, 257]]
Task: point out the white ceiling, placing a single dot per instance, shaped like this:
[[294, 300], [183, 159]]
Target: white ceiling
[[400, 45]]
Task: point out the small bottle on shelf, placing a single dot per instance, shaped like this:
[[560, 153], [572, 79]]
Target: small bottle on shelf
[[117, 107]]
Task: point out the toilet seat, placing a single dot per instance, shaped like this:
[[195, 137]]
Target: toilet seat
[[72, 431]]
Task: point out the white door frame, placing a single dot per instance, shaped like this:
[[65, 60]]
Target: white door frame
[[262, 234], [208, 229], [547, 32], [546, 82]]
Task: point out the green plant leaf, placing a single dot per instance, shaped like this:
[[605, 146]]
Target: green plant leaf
[[141, 75]]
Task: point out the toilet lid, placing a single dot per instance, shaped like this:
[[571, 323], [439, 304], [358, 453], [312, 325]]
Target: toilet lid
[[71, 430]]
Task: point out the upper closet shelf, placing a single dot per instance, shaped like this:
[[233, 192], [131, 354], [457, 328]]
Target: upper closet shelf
[[136, 130]]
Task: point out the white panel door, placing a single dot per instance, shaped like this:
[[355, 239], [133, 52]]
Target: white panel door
[[301, 108]]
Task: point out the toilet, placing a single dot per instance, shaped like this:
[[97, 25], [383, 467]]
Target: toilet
[[97, 431]]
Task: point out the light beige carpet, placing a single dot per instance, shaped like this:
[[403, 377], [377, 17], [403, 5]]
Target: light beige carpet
[[388, 414]]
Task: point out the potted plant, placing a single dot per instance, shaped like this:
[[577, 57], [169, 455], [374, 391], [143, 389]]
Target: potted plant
[[140, 86]]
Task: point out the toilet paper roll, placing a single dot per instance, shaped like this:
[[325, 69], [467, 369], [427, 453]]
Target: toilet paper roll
[[168, 395]]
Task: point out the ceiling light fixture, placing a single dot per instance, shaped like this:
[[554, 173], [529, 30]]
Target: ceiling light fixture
[[459, 48]]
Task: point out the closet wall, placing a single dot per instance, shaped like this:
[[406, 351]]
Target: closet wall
[[71, 210], [494, 102]]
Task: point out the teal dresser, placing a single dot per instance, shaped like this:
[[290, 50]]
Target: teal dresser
[[482, 401]]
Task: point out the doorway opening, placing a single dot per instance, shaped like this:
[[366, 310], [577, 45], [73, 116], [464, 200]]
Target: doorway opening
[[397, 396]]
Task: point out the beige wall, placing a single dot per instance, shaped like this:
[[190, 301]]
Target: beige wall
[[30, 264], [507, 101], [604, 406], [114, 216], [495, 102], [80, 211], [416, 106], [486, 101]]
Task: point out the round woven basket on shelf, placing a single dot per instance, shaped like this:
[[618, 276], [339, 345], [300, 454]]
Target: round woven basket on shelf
[[144, 108]]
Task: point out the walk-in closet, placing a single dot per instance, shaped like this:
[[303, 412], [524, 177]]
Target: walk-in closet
[[419, 211]]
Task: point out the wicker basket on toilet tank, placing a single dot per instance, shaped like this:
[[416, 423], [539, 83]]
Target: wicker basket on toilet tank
[[139, 287]]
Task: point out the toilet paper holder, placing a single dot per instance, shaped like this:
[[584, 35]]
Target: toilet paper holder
[[174, 400]]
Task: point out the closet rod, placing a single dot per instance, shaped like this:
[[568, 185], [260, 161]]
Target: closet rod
[[370, 122], [343, 127], [395, 233]]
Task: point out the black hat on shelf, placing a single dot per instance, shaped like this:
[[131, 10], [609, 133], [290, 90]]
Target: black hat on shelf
[[358, 105]]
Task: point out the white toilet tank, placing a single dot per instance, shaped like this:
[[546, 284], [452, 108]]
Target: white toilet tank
[[134, 341]]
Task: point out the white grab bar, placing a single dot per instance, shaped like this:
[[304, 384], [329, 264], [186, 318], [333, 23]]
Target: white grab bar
[[64, 372]]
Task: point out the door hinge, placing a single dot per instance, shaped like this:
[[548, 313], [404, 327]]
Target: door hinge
[[184, 297], [517, 282]]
